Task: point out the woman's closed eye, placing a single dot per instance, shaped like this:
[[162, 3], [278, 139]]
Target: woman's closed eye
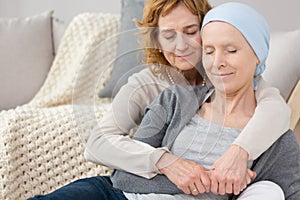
[[232, 50], [192, 32], [169, 37], [173, 36], [208, 51]]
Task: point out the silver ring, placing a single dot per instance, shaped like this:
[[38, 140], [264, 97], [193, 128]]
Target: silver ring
[[195, 190]]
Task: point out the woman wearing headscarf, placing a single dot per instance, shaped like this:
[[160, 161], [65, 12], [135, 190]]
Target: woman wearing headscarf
[[196, 129]]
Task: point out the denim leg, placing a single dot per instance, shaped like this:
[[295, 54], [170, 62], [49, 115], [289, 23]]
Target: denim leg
[[94, 188]]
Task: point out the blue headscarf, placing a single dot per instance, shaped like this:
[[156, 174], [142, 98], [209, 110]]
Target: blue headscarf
[[250, 23]]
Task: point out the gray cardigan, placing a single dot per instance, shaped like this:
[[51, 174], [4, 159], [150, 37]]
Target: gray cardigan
[[166, 116]]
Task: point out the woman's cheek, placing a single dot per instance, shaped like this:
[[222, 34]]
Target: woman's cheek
[[207, 62]]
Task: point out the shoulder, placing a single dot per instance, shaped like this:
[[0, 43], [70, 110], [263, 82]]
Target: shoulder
[[144, 86], [264, 87], [140, 90], [181, 95], [146, 76], [186, 92]]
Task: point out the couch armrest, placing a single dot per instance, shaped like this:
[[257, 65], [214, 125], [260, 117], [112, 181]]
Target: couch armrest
[[293, 102], [43, 149]]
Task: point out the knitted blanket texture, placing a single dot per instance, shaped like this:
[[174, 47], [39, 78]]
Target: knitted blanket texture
[[42, 142]]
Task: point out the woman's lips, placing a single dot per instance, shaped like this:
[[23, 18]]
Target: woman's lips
[[222, 74], [184, 56]]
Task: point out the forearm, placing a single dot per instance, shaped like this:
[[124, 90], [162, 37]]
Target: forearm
[[269, 122], [109, 143], [121, 152]]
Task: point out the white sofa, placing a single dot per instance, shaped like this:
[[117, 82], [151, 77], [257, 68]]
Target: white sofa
[[40, 145], [27, 49], [42, 142]]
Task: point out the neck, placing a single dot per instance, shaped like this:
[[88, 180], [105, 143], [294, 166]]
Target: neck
[[231, 110], [193, 76], [190, 77], [239, 102]]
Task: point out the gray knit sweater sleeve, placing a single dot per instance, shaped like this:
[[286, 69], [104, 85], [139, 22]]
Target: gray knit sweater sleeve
[[281, 164], [164, 118]]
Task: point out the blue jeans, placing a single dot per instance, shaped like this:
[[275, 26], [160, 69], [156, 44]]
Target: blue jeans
[[98, 188]]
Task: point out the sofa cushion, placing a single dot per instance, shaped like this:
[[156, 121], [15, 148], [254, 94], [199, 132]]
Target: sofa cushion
[[283, 63], [129, 53], [26, 54]]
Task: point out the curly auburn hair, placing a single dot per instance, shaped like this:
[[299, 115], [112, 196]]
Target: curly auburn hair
[[153, 9]]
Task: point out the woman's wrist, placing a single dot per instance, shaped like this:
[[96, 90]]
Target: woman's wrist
[[240, 151], [165, 160]]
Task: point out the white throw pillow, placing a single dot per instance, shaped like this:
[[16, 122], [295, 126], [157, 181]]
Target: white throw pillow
[[283, 64], [26, 54]]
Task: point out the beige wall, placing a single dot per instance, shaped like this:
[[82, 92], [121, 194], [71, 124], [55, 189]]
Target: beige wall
[[282, 15], [64, 9]]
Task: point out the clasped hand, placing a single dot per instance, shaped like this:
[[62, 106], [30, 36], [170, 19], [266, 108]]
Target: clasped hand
[[229, 174]]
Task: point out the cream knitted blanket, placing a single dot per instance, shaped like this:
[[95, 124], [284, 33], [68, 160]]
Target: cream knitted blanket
[[42, 142]]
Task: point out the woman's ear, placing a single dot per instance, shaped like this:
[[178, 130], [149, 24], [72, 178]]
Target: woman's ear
[[158, 46], [257, 61]]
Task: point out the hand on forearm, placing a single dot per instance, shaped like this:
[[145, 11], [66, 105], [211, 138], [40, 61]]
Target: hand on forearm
[[229, 174], [190, 177]]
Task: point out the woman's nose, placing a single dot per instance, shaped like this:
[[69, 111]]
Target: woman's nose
[[181, 42], [218, 60]]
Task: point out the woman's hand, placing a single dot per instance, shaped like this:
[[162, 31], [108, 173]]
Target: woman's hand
[[190, 177], [229, 174]]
